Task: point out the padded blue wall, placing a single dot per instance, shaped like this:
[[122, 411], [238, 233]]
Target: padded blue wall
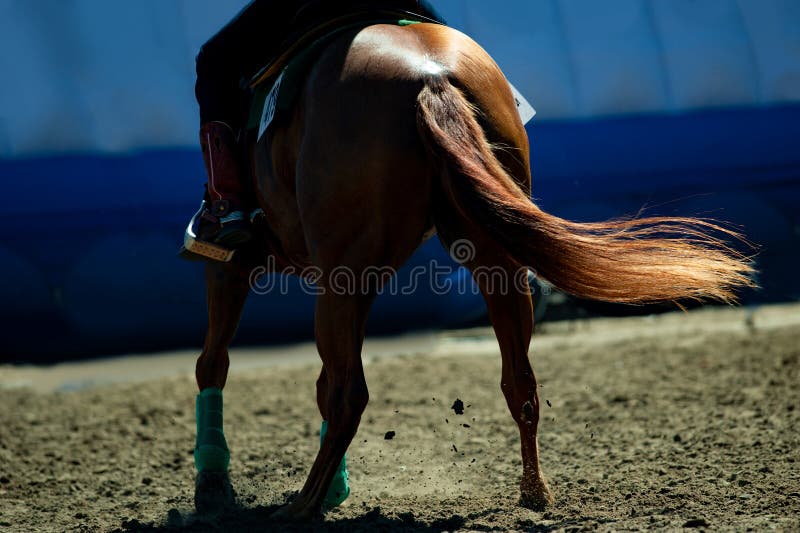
[[89, 262]]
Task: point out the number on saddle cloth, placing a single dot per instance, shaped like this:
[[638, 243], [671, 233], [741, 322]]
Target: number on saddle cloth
[[270, 106]]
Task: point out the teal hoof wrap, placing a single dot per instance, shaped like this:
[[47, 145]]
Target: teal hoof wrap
[[210, 449], [340, 487]]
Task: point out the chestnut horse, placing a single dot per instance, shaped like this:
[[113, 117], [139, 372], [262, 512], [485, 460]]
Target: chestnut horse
[[403, 130]]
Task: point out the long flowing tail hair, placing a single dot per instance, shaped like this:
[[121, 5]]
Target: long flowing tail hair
[[639, 260]]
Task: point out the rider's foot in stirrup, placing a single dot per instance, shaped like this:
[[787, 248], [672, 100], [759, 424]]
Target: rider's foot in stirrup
[[220, 225], [213, 234], [224, 226]]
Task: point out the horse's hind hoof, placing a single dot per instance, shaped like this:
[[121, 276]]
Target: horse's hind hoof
[[213, 493], [297, 509], [536, 501], [294, 512]]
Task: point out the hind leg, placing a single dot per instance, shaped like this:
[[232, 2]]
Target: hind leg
[[227, 286], [511, 314], [340, 321], [339, 489]]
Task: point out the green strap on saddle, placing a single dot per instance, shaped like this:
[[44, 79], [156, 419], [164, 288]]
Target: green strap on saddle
[[210, 450], [340, 486]]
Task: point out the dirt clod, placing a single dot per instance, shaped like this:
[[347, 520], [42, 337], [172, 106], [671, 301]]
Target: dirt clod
[[458, 407]]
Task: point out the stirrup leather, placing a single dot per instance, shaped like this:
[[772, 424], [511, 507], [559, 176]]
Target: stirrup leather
[[203, 248]]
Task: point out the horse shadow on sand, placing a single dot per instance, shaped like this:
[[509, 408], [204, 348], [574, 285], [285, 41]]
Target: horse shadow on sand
[[224, 511], [258, 518]]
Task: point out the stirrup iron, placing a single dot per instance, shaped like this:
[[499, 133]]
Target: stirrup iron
[[202, 248]]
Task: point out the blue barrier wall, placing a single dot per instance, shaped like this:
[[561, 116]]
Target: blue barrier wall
[[89, 263]]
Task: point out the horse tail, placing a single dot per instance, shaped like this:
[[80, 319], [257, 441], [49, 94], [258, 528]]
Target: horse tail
[[625, 260]]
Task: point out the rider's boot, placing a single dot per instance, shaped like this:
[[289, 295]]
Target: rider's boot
[[221, 224]]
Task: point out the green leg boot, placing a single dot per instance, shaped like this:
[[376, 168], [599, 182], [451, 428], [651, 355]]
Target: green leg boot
[[210, 450], [213, 492], [340, 487]]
